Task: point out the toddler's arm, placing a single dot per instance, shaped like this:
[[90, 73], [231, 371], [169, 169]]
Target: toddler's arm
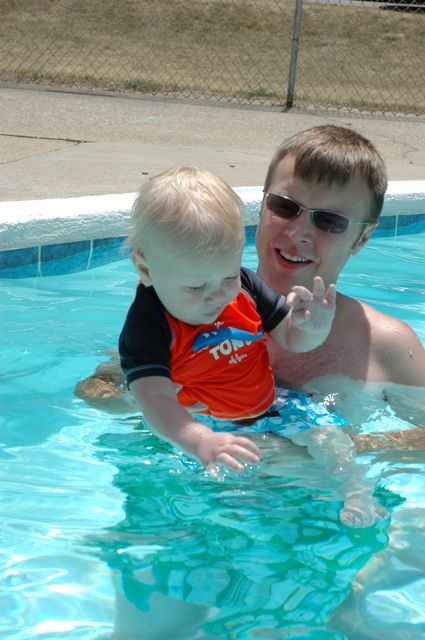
[[172, 422], [308, 323]]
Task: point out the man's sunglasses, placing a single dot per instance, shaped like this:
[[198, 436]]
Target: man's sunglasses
[[287, 208]]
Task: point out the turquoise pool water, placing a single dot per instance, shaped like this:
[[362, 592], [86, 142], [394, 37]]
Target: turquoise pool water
[[88, 495]]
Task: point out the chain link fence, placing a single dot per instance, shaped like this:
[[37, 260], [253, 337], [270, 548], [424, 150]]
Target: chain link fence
[[333, 54]]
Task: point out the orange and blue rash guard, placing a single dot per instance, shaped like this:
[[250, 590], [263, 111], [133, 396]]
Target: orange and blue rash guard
[[224, 365]]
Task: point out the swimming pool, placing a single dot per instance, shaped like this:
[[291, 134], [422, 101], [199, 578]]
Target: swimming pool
[[88, 495]]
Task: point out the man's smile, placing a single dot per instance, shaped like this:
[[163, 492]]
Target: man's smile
[[289, 257]]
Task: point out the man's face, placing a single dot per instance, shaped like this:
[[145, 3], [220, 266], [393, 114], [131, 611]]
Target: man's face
[[294, 251]]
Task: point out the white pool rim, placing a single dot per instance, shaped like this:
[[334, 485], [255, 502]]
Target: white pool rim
[[29, 223]]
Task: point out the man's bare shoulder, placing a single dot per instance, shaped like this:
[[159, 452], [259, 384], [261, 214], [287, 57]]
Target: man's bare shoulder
[[387, 329], [397, 353]]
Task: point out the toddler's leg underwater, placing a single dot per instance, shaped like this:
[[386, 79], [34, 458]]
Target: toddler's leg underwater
[[334, 450]]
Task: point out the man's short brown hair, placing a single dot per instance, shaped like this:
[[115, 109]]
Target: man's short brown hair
[[329, 154]]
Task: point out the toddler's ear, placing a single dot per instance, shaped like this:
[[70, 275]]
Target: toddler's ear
[[141, 267]]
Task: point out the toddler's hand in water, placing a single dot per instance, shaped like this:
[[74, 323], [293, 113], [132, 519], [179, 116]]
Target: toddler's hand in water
[[226, 449]]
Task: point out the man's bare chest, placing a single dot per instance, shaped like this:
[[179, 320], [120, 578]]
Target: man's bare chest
[[296, 369]]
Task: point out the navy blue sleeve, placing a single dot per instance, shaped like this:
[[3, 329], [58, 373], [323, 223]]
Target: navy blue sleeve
[[271, 305], [144, 343]]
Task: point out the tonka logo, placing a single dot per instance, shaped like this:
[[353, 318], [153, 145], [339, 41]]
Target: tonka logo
[[228, 347]]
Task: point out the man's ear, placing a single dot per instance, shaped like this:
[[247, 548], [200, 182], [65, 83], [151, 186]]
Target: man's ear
[[141, 266], [364, 237]]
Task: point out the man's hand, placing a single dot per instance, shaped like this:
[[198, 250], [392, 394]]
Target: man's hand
[[313, 311]]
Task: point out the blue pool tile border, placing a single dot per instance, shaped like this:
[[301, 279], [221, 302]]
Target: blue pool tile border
[[20, 263], [410, 224], [57, 259], [107, 250], [70, 257]]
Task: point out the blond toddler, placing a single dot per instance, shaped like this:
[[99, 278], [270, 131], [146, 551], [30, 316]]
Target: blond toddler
[[194, 337]]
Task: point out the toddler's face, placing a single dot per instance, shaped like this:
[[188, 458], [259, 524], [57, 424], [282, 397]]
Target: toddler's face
[[195, 288]]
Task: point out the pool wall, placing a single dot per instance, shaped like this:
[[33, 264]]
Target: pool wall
[[49, 237]]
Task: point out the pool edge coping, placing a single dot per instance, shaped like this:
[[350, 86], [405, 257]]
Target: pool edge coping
[[33, 223]]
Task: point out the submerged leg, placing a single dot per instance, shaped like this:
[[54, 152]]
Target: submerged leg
[[334, 450]]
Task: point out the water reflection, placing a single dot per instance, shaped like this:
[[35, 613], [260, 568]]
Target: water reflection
[[248, 555]]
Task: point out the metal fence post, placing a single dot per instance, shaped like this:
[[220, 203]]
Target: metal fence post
[[294, 54]]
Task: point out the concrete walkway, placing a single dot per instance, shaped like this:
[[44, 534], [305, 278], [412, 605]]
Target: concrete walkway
[[56, 144]]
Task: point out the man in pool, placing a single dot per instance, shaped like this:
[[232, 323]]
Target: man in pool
[[334, 169], [318, 184], [324, 192], [330, 177]]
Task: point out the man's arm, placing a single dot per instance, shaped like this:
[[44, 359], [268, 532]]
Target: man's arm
[[399, 357], [398, 353]]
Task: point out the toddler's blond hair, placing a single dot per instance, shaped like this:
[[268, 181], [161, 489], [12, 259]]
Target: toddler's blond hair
[[189, 206]]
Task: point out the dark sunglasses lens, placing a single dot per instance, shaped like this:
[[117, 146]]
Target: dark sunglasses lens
[[282, 207], [324, 220], [329, 221]]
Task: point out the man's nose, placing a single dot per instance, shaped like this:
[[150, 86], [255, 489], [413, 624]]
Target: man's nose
[[300, 227]]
